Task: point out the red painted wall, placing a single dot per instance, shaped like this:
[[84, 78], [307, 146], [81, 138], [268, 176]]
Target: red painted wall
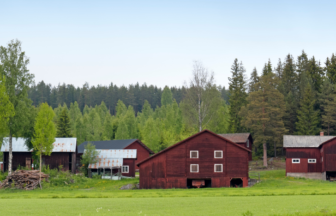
[[131, 164], [142, 152], [329, 156], [171, 169], [303, 154]]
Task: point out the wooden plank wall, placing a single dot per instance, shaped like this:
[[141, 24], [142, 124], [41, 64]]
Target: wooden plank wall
[[303, 154], [142, 153], [329, 156], [171, 169], [131, 165]]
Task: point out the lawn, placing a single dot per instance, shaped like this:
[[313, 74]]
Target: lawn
[[260, 205], [275, 195]]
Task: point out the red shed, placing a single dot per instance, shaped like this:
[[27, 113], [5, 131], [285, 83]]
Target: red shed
[[243, 139], [311, 156], [204, 159], [143, 151]]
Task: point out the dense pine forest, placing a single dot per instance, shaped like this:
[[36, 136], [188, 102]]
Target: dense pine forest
[[293, 96]]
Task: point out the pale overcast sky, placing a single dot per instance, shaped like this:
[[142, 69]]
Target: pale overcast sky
[[125, 42]]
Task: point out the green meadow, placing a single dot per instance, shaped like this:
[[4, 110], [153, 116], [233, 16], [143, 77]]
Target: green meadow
[[274, 195]]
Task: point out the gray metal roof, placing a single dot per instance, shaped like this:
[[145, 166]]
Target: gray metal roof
[[296, 141], [107, 144], [236, 137], [113, 157], [60, 145]]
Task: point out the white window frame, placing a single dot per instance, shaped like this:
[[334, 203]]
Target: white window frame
[[122, 169], [215, 167], [194, 151], [218, 151], [194, 171], [313, 160], [295, 161], [248, 143]]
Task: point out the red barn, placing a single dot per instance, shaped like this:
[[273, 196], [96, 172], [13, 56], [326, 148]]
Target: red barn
[[204, 159], [143, 151], [243, 139], [310, 156]]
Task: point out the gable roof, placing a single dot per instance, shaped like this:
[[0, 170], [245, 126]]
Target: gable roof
[[298, 141], [237, 137], [191, 137], [60, 145], [111, 144]]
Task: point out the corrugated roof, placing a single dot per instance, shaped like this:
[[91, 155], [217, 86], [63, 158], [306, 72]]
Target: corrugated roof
[[60, 145], [107, 144], [295, 141], [113, 157], [236, 137]]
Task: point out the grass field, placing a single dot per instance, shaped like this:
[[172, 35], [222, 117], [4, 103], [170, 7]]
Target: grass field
[[275, 195]]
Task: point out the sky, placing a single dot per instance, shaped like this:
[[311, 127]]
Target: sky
[[156, 42]]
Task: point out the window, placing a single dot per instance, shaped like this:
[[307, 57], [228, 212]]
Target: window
[[311, 160], [295, 160], [193, 167], [193, 154], [218, 167], [218, 154], [125, 169], [248, 143]]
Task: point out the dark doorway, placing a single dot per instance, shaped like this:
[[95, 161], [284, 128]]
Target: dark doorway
[[236, 182], [207, 183], [331, 176]]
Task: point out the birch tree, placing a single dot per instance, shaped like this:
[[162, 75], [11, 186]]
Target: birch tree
[[202, 98], [14, 67]]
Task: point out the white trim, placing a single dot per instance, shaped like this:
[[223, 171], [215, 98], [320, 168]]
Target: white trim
[[193, 151], [248, 143], [194, 171], [218, 151], [296, 160], [221, 167], [122, 169], [311, 160]]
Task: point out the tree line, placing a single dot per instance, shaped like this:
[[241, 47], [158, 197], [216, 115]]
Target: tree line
[[294, 97]]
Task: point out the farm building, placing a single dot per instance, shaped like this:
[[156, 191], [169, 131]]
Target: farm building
[[310, 156], [114, 161], [143, 151], [63, 154], [204, 159], [243, 139]]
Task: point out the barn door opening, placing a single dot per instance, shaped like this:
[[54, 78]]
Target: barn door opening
[[198, 183], [236, 182], [28, 162], [331, 176]]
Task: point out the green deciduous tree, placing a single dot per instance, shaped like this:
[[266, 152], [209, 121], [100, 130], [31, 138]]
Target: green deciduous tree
[[151, 135], [122, 131], [90, 156], [238, 95], [63, 124], [6, 107], [308, 118], [45, 132], [14, 67], [167, 97]]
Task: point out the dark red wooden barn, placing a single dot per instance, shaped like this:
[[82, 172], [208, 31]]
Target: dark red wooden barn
[[243, 139], [310, 156], [63, 154], [204, 159], [143, 151]]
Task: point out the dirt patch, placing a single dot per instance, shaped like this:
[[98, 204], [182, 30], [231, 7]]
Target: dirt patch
[[130, 187]]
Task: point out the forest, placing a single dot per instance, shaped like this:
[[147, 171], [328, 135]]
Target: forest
[[294, 96]]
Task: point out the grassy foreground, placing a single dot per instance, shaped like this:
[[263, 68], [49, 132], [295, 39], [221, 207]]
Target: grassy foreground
[[274, 205]]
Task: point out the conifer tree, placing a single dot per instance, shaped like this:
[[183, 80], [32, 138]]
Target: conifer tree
[[302, 72], [279, 70], [316, 74], [308, 118], [331, 69], [166, 97], [64, 125], [253, 81], [267, 68], [238, 95], [328, 106], [264, 112]]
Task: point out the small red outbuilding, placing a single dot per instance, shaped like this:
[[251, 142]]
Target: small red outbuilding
[[310, 156], [204, 159]]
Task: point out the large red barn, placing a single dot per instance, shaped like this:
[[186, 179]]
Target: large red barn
[[310, 156], [204, 158], [243, 139]]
